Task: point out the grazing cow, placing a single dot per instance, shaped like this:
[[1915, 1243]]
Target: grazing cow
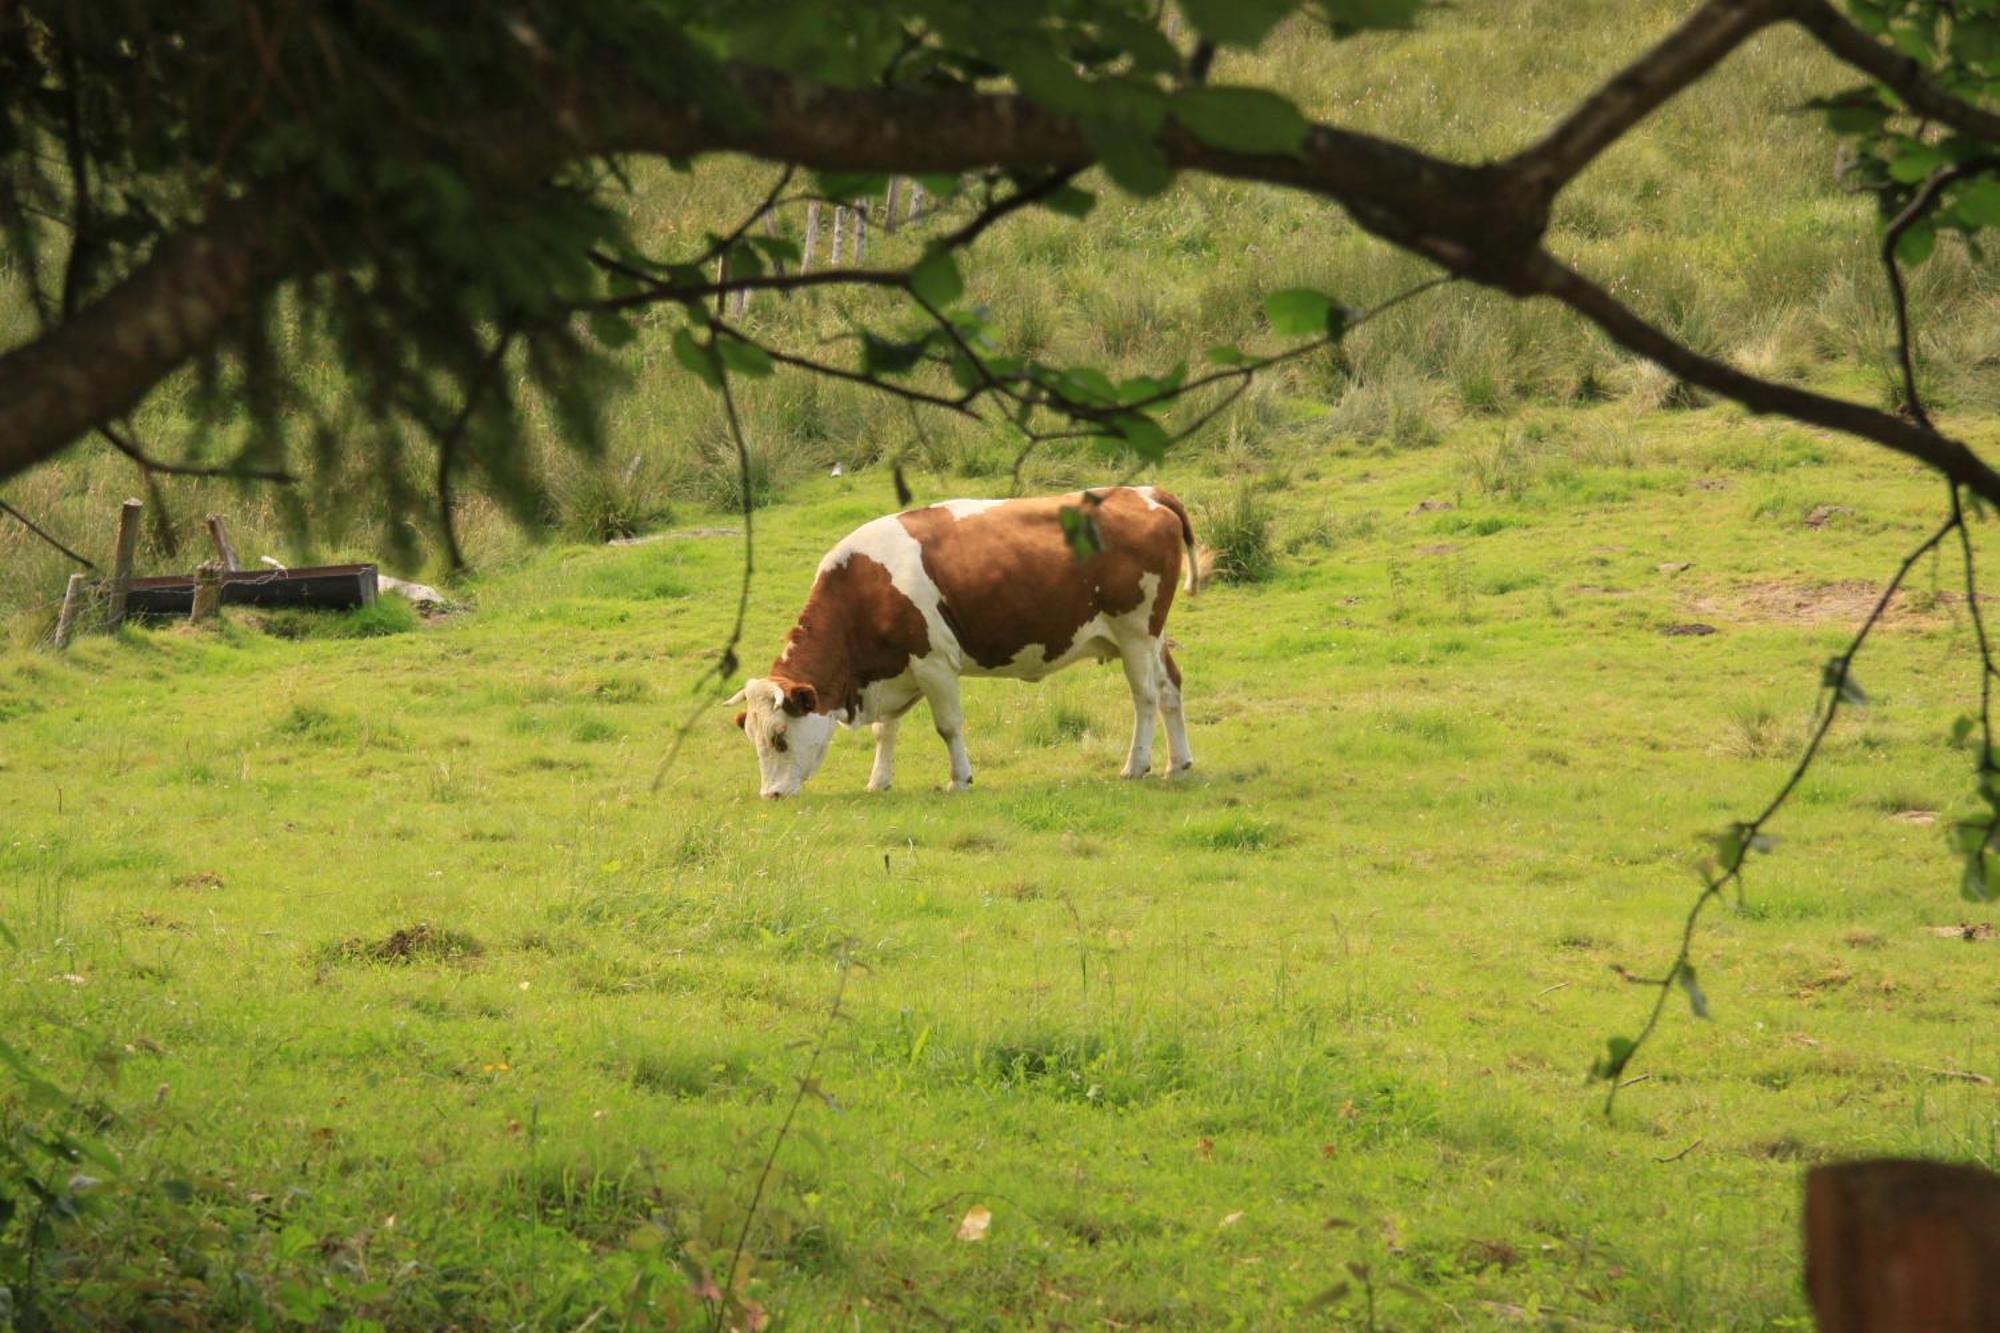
[[907, 604]]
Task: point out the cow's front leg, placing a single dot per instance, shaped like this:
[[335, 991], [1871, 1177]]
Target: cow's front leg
[[885, 754], [1142, 662], [942, 692]]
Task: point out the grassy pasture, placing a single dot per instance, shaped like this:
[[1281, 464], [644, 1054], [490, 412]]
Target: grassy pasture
[[416, 1005]]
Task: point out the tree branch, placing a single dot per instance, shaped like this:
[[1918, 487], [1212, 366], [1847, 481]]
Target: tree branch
[[1682, 57], [1909, 80], [29, 524], [129, 447], [1945, 455], [1745, 837]]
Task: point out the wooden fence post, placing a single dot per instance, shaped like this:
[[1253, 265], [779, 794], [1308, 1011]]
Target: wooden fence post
[[894, 197], [860, 230], [839, 229], [219, 534], [1903, 1245], [72, 605], [721, 276], [916, 200], [812, 234], [121, 567], [207, 593]]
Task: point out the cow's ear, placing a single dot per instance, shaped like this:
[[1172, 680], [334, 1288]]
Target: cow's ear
[[739, 719], [800, 700]]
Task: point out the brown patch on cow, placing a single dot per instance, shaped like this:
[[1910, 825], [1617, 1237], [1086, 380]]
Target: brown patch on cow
[[857, 628], [1009, 581]]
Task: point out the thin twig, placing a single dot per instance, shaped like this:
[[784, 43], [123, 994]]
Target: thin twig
[[449, 441], [1747, 834], [1682, 1153], [29, 524], [726, 660], [806, 1085], [129, 447]]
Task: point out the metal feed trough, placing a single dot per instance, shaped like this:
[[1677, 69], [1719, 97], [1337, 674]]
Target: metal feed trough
[[322, 587]]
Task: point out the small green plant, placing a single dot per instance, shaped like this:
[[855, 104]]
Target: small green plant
[[1240, 533], [384, 615], [1060, 724]]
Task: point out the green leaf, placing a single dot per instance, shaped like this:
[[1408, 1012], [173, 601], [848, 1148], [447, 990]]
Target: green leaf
[[1913, 162], [1961, 727], [880, 356], [1968, 837], [1080, 531], [611, 328], [1347, 17], [1855, 111], [1916, 243], [1236, 22], [1226, 355], [935, 280], [1696, 1000], [1134, 162], [1977, 203], [1976, 884], [778, 249], [1241, 120], [744, 358], [1298, 311], [1617, 1051], [1071, 202], [697, 358], [1839, 677]]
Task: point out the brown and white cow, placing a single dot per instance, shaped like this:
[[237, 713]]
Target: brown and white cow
[[907, 604]]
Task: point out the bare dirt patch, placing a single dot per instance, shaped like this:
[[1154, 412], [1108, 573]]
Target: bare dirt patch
[[1797, 602], [419, 943]]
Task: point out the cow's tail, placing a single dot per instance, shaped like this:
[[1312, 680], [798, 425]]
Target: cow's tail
[[1191, 573]]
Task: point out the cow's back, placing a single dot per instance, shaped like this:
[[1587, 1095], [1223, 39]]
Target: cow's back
[[1007, 581]]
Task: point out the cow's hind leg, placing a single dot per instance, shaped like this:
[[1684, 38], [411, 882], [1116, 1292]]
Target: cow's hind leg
[[941, 689], [1170, 710], [1142, 674]]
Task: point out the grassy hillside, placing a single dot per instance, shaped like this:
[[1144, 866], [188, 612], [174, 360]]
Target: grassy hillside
[[1723, 218], [405, 999]]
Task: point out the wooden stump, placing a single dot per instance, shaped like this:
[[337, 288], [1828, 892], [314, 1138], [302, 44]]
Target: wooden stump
[[207, 593], [1894, 1245], [121, 567], [224, 550], [72, 607]]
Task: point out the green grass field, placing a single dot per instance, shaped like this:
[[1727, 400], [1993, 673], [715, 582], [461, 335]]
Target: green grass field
[[1197, 1046]]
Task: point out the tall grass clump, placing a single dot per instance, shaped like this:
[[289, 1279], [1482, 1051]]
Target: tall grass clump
[[1240, 532]]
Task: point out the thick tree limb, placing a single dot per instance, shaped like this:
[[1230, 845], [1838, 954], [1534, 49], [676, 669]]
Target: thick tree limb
[[1482, 222], [1682, 57], [96, 366], [1910, 80]]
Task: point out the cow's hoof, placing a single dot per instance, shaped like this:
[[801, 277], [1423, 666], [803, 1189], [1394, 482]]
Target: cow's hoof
[[878, 786], [1130, 774], [960, 786], [1184, 767]]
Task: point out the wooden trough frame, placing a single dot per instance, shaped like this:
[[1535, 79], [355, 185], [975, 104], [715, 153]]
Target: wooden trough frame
[[323, 587]]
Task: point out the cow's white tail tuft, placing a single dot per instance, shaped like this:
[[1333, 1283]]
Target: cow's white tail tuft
[[1191, 577]]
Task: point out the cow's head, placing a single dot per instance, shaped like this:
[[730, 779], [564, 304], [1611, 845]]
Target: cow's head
[[790, 737]]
